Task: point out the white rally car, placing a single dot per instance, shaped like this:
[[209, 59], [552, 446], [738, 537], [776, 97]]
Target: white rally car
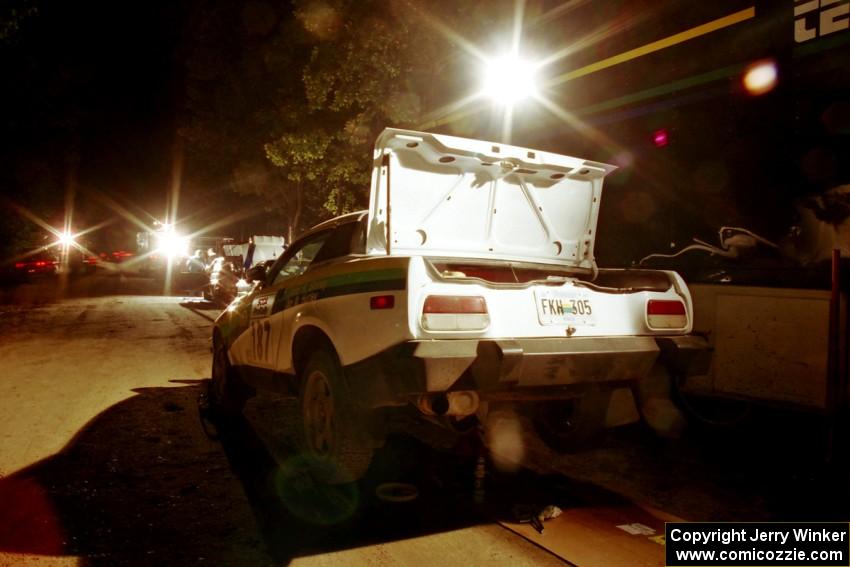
[[470, 281]]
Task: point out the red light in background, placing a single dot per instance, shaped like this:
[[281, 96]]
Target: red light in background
[[660, 138]]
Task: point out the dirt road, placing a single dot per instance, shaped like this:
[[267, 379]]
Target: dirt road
[[105, 461], [66, 363]]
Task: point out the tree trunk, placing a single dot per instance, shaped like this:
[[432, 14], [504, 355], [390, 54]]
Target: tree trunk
[[296, 216]]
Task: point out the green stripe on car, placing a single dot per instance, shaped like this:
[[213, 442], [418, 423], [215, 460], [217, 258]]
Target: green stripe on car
[[344, 284]]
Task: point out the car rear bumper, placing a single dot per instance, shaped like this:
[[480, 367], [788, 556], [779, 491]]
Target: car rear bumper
[[510, 363]]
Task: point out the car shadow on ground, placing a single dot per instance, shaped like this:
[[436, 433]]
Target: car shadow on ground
[[140, 483], [299, 516], [143, 483]]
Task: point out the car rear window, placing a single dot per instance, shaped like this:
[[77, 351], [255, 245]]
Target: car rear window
[[342, 242]]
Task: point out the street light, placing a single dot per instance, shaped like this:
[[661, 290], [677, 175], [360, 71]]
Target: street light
[[510, 79], [66, 239]]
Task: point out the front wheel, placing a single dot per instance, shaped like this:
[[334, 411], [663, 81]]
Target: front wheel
[[227, 396], [330, 435]]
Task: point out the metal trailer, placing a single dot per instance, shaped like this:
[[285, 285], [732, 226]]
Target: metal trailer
[[775, 345]]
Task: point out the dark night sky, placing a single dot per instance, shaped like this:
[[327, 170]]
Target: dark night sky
[[120, 60], [94, 89], [101, 84]]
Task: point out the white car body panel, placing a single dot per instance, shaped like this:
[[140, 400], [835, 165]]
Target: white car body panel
[[357, 331], [557, 316], [513, 311], [447, 196]]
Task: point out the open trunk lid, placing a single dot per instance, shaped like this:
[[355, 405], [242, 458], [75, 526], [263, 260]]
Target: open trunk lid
[[445, 196]]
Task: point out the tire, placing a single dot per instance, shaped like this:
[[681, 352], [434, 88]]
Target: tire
[[227, 394], [569, 426], [330, 435]]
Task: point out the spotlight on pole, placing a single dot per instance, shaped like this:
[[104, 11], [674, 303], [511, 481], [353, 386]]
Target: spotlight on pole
[[66, 239], [170, 244], [510, 79]]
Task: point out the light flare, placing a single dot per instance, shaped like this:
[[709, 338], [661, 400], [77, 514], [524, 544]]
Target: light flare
[[599, 35], [510, 79], [171, 244], [66, 239], [654, 46], [503, 432], [557, 12], [507, 80], [448, 32], [599, 137], [501, 87], [760, 77]]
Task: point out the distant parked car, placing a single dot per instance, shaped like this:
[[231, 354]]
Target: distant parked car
[[90, 263], [38, 264], [117, 256]]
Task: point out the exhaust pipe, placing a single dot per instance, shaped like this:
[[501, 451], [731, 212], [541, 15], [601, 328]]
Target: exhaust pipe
[[461, 404]]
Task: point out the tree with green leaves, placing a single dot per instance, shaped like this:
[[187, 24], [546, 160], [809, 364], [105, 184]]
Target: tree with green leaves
[[313, 90], [13, 15]]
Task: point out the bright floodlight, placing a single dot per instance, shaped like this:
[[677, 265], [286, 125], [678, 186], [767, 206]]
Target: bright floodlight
[[760, 77], [66, 239], [172, 245], [510, 79]]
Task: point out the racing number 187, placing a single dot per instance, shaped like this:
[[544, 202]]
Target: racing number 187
[[260, 339]]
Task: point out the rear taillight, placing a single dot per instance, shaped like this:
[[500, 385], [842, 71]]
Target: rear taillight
[[20, 265], [666, 314], [454, 304], [455, 313]]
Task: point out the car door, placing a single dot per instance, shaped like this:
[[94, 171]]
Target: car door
[[258, 346]]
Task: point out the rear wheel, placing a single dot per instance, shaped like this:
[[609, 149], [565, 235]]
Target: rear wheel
[[227, 396], [568, 426], [331, 435]]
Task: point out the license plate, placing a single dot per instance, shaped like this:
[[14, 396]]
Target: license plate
[[564, 307]]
